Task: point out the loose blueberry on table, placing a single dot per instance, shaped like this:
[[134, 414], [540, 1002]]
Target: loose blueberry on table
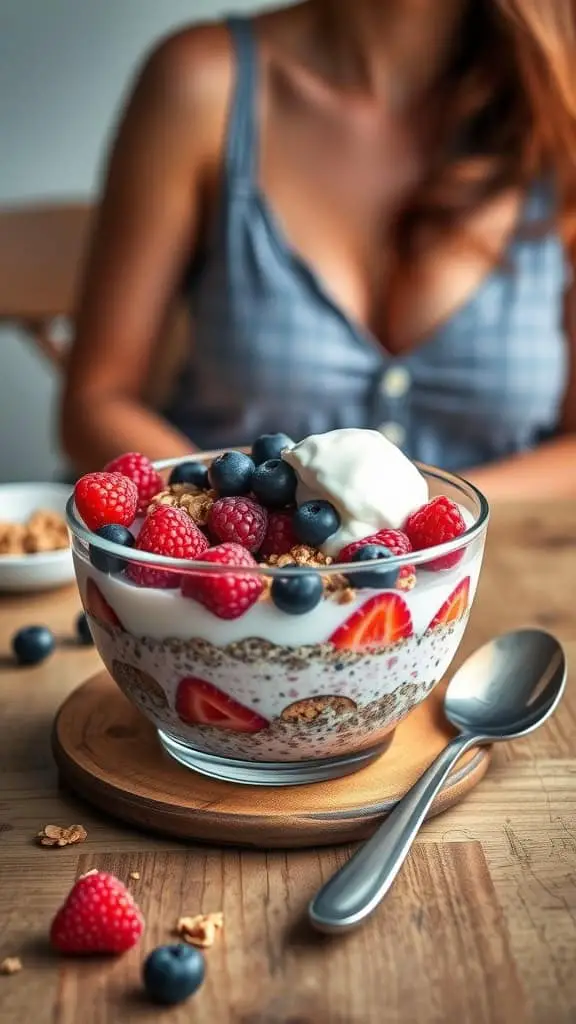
[[33, 644], [173, 973]]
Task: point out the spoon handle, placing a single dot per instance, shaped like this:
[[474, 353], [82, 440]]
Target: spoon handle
[[355, 891]]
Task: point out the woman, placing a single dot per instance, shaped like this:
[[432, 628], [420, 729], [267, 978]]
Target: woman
[[370, 210]]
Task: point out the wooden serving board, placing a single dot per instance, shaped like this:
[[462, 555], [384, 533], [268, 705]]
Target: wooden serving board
[[109, 754]]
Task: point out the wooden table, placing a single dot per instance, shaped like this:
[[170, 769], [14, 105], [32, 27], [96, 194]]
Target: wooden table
[[480, 928], [41, 253]]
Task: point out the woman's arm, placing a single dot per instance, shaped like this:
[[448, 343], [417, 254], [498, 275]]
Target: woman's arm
[[547, 472], [148, 227], [550, 470]]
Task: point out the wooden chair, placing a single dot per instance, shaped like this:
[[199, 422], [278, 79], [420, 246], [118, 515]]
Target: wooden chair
[[41, 255]]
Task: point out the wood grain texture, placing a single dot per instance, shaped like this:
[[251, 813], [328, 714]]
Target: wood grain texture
[[481, 925], [441, 923], [108, 753]]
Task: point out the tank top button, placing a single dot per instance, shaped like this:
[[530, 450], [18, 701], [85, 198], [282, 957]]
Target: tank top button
[[396, 382], [393, 432]]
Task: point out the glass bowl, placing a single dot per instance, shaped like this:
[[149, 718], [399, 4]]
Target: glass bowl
[[272, 698]]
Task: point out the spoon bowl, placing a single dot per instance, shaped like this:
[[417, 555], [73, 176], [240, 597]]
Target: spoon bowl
[[505, 690], [508, 687]]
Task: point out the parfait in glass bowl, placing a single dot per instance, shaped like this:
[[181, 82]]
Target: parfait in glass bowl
[[276, 614]]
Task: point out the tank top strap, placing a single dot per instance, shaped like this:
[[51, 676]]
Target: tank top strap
[[242, 139]]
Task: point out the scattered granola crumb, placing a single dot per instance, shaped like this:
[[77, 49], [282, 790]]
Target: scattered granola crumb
[[200, 930], [134, 875], [11, 965], [57, 835], [93, 871]]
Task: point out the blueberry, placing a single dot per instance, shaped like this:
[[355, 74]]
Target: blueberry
[[297, 594], [116, 535], [315, 521], [194, 473], [33, 644], [173, 973], [83, 631], [270, 446], [231, 474], [274, 483], [376, 578]]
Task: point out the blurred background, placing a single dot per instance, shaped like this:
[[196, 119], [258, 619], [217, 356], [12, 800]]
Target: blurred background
[[64, 68]]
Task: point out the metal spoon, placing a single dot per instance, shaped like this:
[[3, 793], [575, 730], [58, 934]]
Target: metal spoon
[[505, 690]]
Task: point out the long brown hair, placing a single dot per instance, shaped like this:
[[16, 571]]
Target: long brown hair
[[506, 115]]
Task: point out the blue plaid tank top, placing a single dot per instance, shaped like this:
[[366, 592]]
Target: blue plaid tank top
[[273, 351]]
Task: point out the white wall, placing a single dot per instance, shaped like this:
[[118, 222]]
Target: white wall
[[64, 65]]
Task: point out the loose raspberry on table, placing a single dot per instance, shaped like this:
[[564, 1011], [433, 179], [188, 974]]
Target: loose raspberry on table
[[98, 916], [140, 470], [170, 532], [238, 521], [228, 595], [280, 537], [105, 498], [437, 522]]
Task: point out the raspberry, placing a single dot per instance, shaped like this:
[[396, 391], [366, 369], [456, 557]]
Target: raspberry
[[99, 916], [104, 498], [238, 521], [140, 470], [280, 537], [397, 542], [171, 532], [228, 595], [436, 523]]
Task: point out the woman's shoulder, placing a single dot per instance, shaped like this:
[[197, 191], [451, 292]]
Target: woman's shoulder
[[192, 65], [198, 60]]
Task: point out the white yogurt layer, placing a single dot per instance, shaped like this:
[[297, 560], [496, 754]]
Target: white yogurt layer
[[367, 479], [166, 613]]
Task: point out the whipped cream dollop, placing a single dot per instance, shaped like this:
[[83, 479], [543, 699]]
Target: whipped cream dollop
[[368, 480]]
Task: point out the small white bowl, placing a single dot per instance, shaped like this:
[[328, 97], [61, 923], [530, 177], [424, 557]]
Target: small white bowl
[[47, 569]]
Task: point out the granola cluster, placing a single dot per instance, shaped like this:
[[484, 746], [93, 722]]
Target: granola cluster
[[57, 835], [195, 502], [43, 531], [11, 965], [200, 930]]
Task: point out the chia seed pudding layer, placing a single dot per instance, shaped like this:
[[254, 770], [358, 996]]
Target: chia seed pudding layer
[[314, 701]]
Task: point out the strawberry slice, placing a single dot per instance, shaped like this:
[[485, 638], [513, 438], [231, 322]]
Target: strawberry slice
[[202, 703], [454, 607], [383, 620], [97, 606]]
